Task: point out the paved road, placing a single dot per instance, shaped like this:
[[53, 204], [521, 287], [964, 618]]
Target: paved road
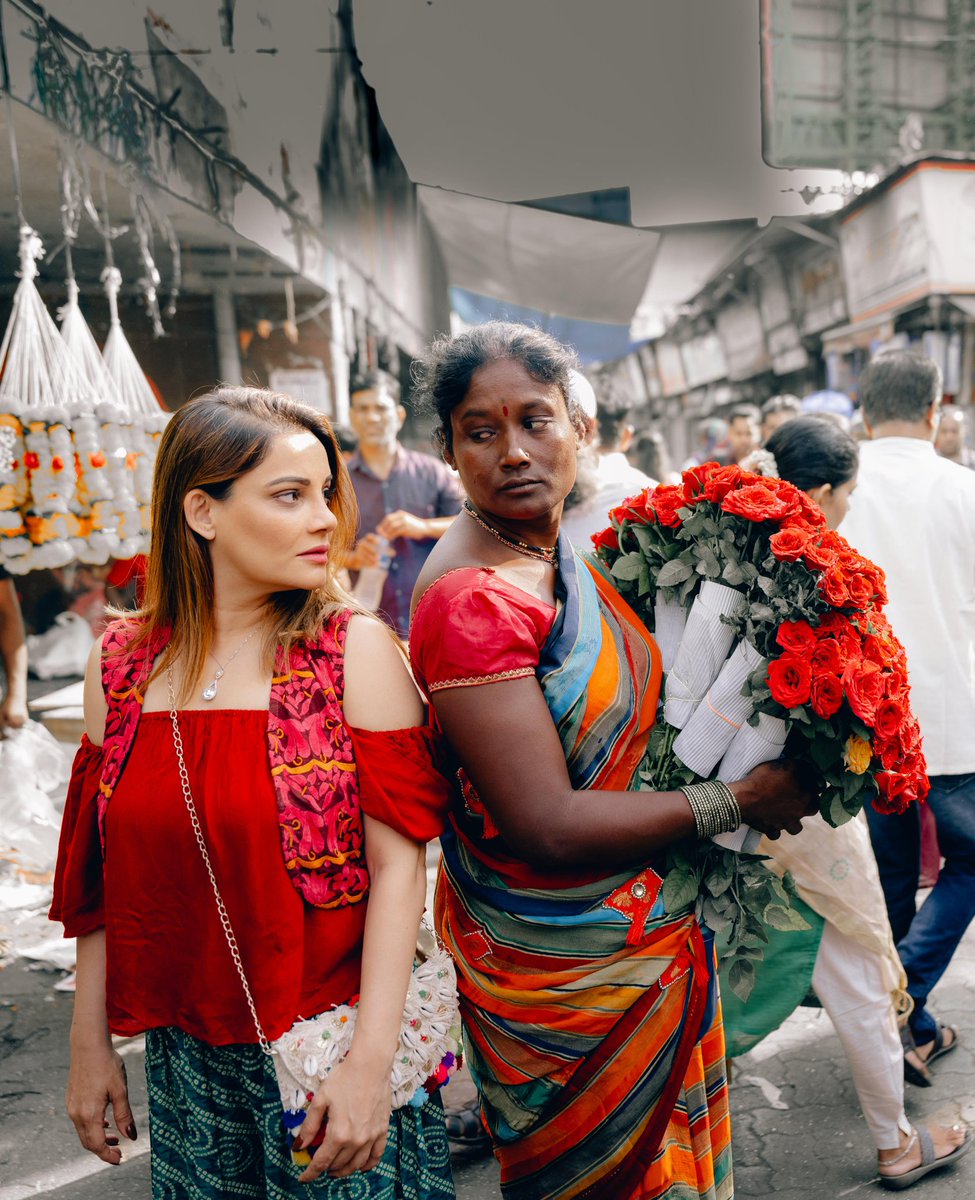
[[798, 1132]]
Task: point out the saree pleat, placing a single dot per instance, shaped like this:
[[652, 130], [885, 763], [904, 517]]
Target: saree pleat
[[583, 998]]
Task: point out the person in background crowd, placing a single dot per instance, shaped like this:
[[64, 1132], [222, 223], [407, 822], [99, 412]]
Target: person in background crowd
[[847, 954], [710, 443], [405, 497], [743, 432], [915, 517], [649, 454], [315, 830], [614, 478], [597, 1049], [776, 411], [951, 439], [834, 406], [347, 440], [13, 652]]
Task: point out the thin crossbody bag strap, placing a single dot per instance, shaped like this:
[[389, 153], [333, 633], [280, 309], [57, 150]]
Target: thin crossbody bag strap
[[228, 929]]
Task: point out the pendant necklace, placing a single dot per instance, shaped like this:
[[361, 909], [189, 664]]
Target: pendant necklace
[[210, 691], [549, 554]]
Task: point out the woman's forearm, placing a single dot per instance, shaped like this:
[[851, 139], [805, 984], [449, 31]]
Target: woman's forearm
[[395, 906], [90, 1022]]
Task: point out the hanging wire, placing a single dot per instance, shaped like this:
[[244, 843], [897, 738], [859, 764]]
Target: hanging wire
[[151, 279]]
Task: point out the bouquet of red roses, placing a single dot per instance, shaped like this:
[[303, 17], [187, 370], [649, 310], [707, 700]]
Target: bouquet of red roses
[[774, 642]]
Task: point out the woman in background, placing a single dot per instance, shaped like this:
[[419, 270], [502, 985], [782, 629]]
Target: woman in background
[[854, 971]]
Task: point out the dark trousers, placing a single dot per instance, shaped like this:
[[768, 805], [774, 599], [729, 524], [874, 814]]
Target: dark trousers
[[928, 937]]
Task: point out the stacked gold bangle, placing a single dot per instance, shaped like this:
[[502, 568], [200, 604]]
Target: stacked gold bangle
[[714, 807]]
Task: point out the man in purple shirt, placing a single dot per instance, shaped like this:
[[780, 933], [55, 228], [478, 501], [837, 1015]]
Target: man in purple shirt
[[406, 497]]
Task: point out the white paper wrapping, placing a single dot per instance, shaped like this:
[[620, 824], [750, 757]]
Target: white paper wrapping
[[702, 652], [721, 715], [751, 746], [669, 620]]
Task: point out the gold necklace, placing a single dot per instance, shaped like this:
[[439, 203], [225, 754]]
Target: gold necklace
[[549, 554]]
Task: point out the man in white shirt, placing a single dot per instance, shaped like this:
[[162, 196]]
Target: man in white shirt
[[605, 480], [914, 515]]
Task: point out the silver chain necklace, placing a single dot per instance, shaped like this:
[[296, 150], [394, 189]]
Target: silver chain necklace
[[210, 691]]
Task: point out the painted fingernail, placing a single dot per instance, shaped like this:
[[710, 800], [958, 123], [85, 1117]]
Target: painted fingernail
[[130, 1133]]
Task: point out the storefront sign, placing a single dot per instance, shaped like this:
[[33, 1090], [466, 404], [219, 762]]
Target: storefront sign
[[913, 240], [816, 284], [743, 339], [703, 359], [670, 369]]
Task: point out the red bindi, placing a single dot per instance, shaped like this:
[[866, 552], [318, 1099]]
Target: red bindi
[[504, 409]]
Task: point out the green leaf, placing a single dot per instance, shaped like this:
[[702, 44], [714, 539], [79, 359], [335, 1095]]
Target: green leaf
[[680, 889], [741, 976], [768, 585], [673, 573], [715, 920], [628, 567], [785, 919], [718, 881], [733, 574]]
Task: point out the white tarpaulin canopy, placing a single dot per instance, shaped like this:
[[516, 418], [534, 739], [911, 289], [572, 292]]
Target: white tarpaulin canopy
[[543, 260], [523, 100]]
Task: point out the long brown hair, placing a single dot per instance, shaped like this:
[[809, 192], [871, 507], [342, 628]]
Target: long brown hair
[[210, 443]]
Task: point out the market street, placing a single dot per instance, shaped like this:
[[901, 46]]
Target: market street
[[798, 1134]]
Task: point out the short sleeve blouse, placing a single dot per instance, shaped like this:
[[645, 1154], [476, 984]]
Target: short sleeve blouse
[[473, 627]]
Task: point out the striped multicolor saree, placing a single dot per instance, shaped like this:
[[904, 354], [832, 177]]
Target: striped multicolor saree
[[584, 1000]]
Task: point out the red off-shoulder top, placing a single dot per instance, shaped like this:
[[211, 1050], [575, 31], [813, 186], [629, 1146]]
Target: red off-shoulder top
[[168, 961]]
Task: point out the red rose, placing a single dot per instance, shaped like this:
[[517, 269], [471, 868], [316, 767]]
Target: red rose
[[836, 625], [811, 512], [31, 461], [819, 554], [788, 544], [860, 588], [606, 539], [826, 695], [891, 716], [790, 680], [797, 636], [895, 684], [721, 482], [897, 792], [864, 685], [667, 502], [637, 509], [834, 587], [57, 463], [756, 502], [695, 481], [826, 658]]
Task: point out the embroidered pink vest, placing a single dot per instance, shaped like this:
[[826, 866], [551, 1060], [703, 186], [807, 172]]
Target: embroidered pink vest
[[309, 748]]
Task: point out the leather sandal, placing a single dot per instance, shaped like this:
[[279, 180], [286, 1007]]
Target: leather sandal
[[941, 1048], [929, 1160], [918, 1075]]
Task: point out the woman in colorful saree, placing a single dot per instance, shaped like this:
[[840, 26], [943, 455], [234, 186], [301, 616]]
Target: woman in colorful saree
[[594, 1033]]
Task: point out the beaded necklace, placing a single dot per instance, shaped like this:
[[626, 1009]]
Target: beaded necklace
[[549, 554]]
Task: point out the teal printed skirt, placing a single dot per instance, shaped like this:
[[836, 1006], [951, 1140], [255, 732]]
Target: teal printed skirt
[[216, 1129]]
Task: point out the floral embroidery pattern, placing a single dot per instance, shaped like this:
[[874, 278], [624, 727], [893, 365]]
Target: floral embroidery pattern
[[315, 779], [309, 747]]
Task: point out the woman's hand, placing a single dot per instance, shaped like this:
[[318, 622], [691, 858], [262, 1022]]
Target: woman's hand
[[775, 797], [96, 1078], [355, 1103]]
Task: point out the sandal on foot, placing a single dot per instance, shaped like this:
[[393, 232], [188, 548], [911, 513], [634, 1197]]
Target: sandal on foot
[[465, 1133], [941, 1048], [918, 1075], [929, 1160]]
